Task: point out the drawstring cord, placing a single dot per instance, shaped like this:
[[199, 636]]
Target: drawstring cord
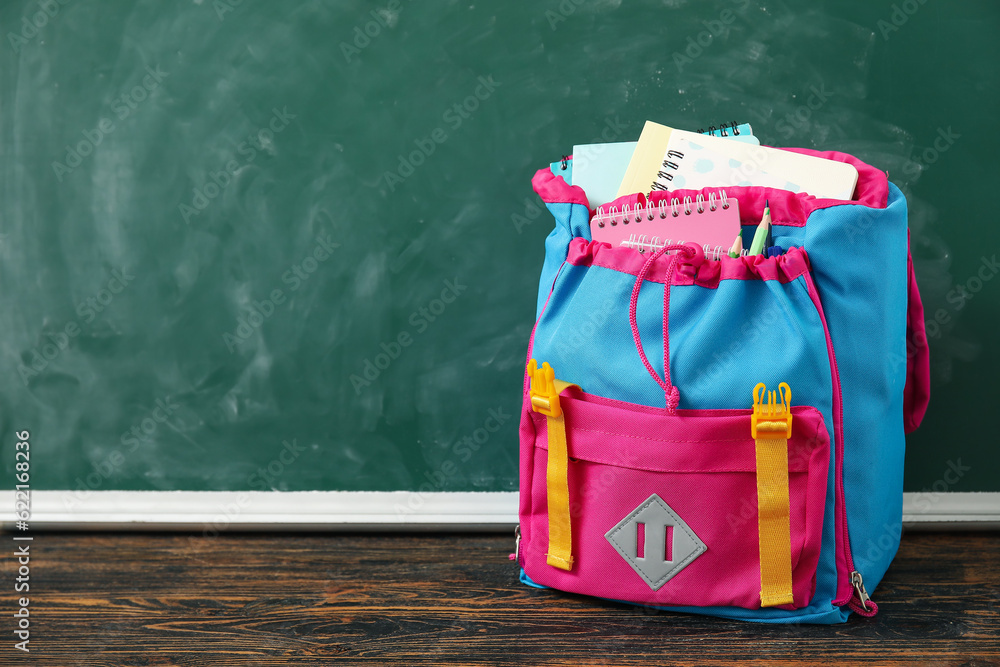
[[671, 395]]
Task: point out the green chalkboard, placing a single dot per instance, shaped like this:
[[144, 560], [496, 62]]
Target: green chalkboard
[[236, 233]]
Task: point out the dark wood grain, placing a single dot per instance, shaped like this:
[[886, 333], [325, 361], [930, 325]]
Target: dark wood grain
[[251, 599]]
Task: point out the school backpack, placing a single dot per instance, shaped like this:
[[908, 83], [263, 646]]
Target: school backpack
[[731, 445]]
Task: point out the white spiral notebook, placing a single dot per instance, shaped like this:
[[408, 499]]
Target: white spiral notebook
[[663, 155]]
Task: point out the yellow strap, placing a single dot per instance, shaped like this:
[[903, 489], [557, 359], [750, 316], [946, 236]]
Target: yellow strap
[[772, 514], [545, 390], [560, 552]]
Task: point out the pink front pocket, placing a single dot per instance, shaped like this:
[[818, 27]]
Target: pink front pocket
[[663, 506]]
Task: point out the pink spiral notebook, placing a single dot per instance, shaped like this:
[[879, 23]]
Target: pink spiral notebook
[[712, 223]]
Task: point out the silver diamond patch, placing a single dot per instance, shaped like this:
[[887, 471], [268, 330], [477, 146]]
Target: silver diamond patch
[[665, 546]]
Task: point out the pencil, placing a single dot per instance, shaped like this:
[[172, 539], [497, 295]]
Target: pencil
[[760, 236]]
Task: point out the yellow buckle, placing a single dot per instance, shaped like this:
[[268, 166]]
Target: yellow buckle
[[544, 397], [772, 417]]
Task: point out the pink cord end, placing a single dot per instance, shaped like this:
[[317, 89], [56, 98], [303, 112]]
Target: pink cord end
[[673, 398]]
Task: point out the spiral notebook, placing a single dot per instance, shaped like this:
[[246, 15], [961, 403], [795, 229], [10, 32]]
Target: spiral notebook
[[712, 223]]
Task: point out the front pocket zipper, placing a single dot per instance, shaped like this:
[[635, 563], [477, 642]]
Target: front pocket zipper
[[516, 556], [854, 594]]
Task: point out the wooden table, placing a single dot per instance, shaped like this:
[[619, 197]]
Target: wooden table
[[295, 599]]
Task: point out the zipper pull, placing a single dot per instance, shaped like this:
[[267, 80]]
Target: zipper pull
[[517, 544], [866, 607]]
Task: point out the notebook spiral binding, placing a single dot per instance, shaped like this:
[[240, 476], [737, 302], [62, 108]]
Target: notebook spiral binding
[[671, 163], [638, 213], [734, 126], [644, 244]]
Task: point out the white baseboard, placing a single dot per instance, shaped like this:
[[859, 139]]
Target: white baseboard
[[216, 511], [267, 510], [931, 510]]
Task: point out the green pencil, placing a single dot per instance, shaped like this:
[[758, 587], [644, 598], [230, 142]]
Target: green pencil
[[760, 236]]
